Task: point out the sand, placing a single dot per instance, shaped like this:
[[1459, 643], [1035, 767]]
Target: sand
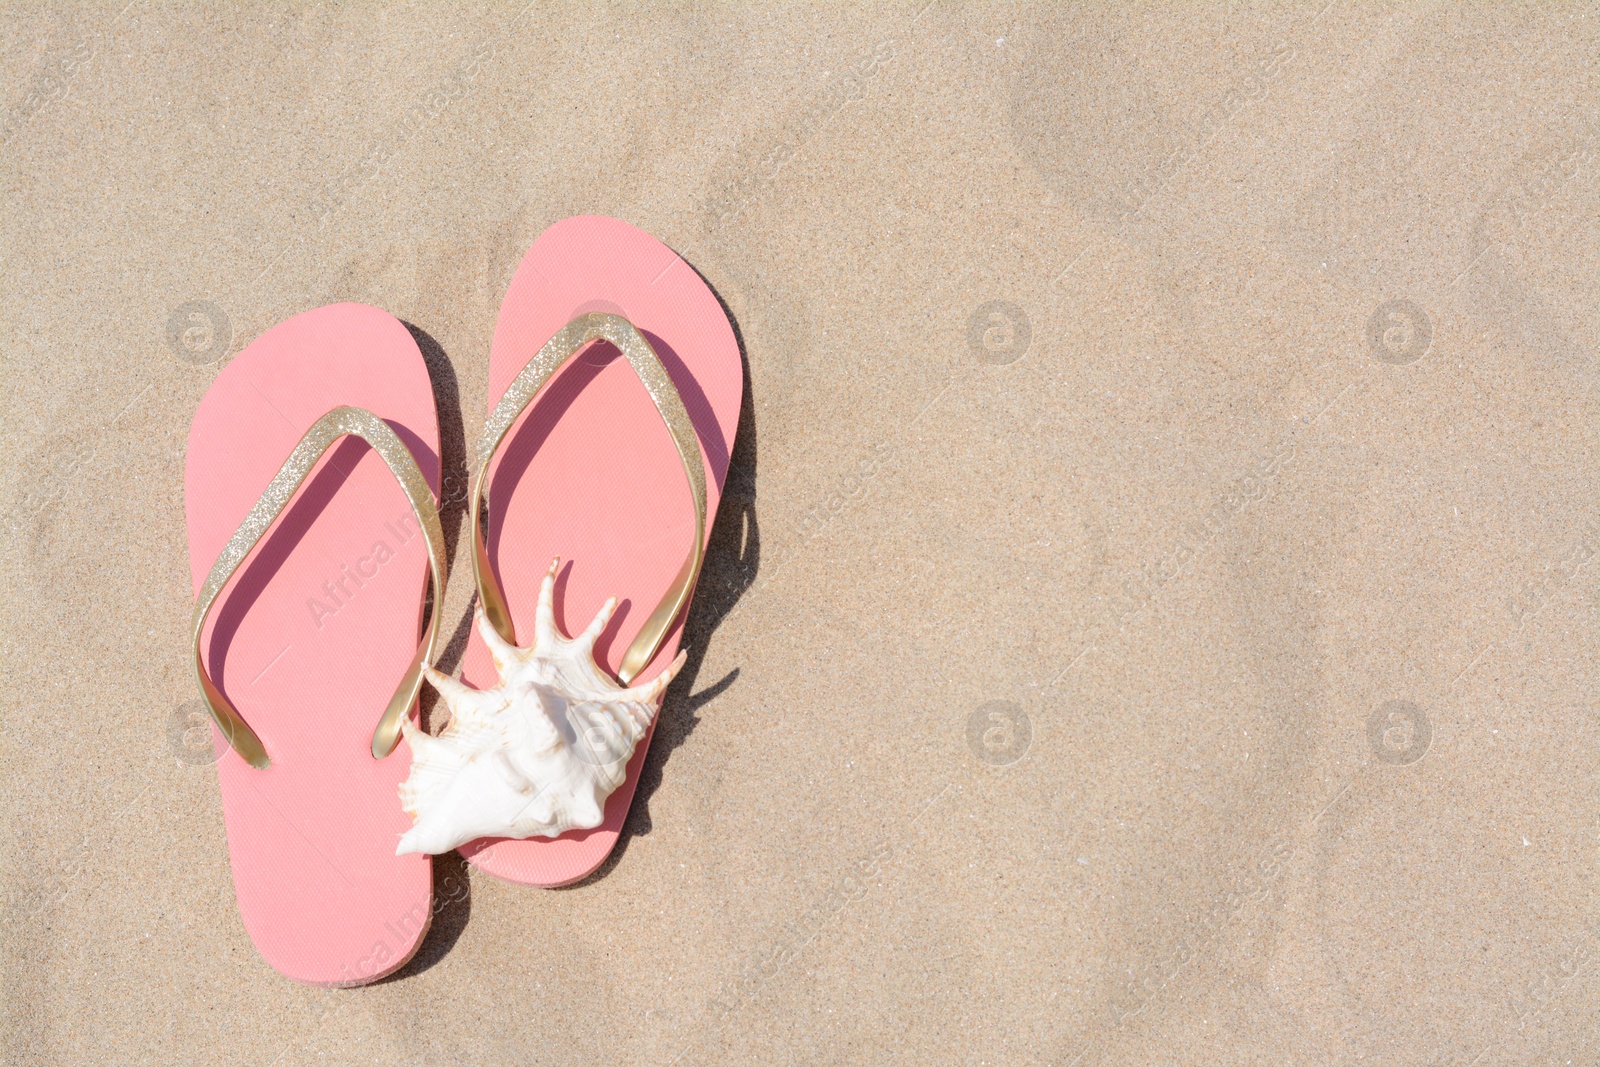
[[1153, 615]]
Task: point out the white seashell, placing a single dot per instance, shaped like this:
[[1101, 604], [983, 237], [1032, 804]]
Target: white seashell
[[534, 757]]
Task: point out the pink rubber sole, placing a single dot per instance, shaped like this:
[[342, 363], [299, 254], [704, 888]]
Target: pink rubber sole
[[311, 637], [590, 473]]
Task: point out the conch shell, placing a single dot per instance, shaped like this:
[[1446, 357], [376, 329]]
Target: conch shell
[[537, 755]]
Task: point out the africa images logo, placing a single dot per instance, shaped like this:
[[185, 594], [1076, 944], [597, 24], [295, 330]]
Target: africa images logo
[[353, 577]]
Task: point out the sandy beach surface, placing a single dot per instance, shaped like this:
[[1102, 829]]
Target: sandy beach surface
[[1153, 614]]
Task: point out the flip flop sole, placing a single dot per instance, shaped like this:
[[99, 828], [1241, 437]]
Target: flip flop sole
[[591, 475], [312, 636]]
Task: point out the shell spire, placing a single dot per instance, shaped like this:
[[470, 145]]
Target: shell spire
[[538, 754]]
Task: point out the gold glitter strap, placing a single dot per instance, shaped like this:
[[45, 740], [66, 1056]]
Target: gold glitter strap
[[324, 432], [574, 337]]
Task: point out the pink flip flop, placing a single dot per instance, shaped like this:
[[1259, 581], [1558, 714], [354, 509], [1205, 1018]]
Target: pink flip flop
[[311, 489], [582, 461]]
